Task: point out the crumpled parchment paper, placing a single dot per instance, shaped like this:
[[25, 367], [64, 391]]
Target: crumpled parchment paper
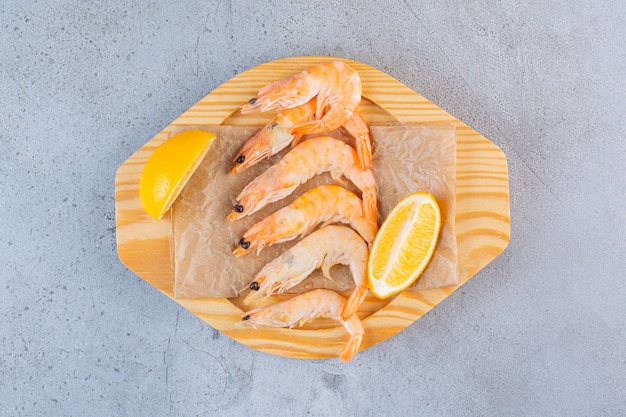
[[406, 159]]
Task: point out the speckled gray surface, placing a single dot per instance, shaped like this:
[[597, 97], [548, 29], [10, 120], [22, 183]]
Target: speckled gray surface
[[540, 331]]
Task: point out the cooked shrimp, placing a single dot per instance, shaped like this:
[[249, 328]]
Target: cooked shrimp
[[357, 127], [311, 157], [324, 204], [324, 248], [273, 137], [335, 86], [306, 307], [276, 136]]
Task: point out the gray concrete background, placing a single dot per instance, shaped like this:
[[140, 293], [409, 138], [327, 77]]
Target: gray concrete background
[[540, 331]]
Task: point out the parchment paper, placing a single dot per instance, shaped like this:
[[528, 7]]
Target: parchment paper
[[406, 159]]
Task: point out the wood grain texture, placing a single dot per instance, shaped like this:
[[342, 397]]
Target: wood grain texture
[[482, 217]]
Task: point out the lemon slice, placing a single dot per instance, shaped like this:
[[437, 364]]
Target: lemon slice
[[169, 168], [404, 244]]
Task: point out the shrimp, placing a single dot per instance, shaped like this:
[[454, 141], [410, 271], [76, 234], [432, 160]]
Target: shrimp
[[306, 307], [276, 136], [325, 203], [324, 248], [306, 160], [273, 137], [335, 86]]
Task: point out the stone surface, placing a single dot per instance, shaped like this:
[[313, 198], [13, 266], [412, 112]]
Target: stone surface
[[540, 331]]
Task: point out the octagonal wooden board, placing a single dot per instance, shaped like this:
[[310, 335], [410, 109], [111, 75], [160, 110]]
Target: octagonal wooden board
[[482, 216]]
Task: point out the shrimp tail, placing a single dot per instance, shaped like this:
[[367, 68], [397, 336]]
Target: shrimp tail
[[351, 348], [366, 228], [357, 128], [369, 204], [354, 302], [365, 181], [355, 329], [364, 153]]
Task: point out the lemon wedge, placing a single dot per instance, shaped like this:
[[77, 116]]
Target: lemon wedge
[[404, 244], [169, 168]]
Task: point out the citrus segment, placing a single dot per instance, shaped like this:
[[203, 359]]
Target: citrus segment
[[169, 168], [404, 244]]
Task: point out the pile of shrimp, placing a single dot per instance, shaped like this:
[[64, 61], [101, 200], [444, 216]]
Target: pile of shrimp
[[314, 102]]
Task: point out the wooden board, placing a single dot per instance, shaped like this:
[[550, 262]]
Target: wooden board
[[482, 217]]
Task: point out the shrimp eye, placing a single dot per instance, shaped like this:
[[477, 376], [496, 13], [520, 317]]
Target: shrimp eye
[[274, 126], [254, 286], [244, 244], [252, 101], [246, 317], [238, 208], [241, 159]]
